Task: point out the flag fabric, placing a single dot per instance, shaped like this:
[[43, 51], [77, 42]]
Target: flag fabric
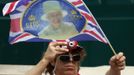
[[16, 9], [27, 22]]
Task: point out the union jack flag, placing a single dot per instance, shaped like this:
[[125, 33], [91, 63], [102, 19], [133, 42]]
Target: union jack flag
[[91, 32]]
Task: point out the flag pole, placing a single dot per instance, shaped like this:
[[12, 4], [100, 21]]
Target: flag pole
[[110, 45]]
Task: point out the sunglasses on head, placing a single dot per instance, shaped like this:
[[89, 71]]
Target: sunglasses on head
[[66, 58]]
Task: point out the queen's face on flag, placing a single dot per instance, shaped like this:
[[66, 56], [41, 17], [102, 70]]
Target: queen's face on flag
[[53, 14], [55, 18], [56, 29]]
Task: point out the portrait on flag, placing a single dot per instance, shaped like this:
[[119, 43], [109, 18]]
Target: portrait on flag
[[58, 22]]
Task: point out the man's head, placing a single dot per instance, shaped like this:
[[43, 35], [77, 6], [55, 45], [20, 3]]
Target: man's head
[[69, 63]]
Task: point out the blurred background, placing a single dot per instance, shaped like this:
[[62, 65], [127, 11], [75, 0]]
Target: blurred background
[[116, 17]]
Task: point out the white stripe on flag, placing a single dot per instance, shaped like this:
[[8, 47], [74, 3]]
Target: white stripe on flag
[[85, 17], [16, 16], [91, 23], [22, 8], [88, 27], [13, 34], [5, 9], [92, 36], [84, 11], [7, 6], [99, 34]]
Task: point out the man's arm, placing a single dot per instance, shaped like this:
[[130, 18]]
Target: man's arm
[[117, 63], [49, 56], [39, 68]]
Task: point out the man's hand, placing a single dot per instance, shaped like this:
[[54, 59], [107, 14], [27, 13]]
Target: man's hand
[[117, 62], [54, 49]]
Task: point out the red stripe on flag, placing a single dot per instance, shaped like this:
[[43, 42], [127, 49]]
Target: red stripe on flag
[[88, 17], [77, 3], [15, 25], [11, 7], [21, 36], [61, 40], [93, 33]]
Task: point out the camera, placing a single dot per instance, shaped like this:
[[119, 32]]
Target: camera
[[71, 45]]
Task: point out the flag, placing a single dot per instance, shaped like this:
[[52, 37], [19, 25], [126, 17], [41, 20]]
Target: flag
[[29, 22]]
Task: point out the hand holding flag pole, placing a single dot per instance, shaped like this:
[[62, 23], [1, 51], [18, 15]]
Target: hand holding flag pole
[[109, 43]]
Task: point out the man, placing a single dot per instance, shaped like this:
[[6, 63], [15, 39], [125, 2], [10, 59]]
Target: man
[[59, 60], [56, 28]]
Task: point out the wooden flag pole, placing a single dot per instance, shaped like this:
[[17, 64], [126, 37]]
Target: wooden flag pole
[[113, 50]]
